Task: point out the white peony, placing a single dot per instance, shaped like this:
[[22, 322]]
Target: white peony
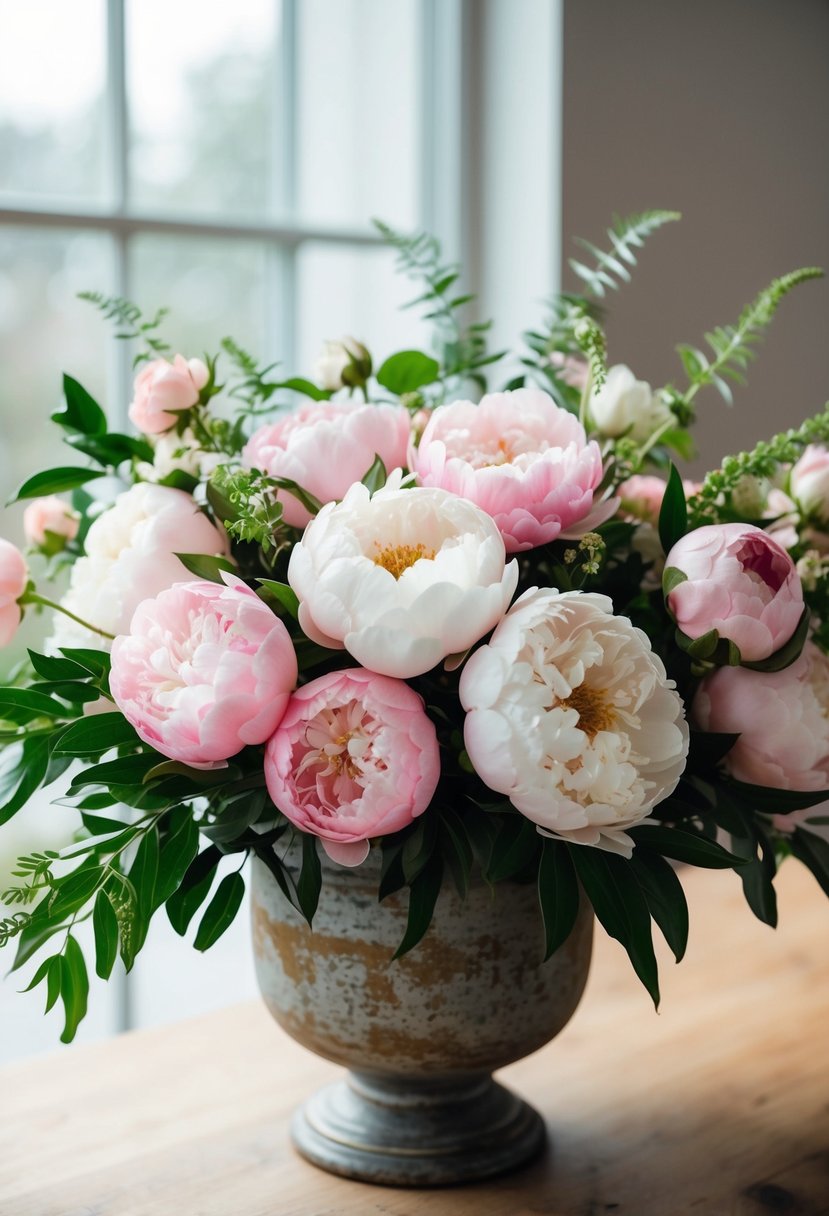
[[571, 715], [130, 555], [402, 578], [626, 405]]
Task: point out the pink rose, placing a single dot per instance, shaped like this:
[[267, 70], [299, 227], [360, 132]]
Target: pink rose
[[50, 515], [809, 482], [162, 390], [204, 671], [326, 447], [519, 457], [355, 756], [740, 582], [14, 577], [781, 719]]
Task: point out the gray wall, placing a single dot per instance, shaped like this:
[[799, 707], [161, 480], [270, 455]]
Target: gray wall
[[719, 109]]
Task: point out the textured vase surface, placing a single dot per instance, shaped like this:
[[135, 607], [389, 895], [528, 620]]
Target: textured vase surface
[[420, 1035]]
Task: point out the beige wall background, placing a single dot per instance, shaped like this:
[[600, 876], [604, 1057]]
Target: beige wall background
[[718, 109]]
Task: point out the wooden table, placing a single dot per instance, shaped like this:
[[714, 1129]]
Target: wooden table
[[720, 1104]]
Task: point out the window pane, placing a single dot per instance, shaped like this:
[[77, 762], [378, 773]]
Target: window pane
[[343, 290], [213, 288], [52, 73], [358, 108], [200, 78]]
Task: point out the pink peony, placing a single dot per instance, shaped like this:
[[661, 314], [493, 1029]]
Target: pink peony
[[519, 457], [782, 718], [14, 577], [809, 482], [641, 497], [205, 670], [326, 447], [51, 515], [739, 581], [355, 756], [162, 390]]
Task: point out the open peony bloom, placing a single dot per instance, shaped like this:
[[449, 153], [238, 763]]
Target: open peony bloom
[[739, 581], [130, 555], [571, 715], [325, 447], [625, 405], [402, 578], [49, 515], [14, 578], [355, 756], [809, 482], [163, 389], [521, 458], [782, 718], [205, 670]]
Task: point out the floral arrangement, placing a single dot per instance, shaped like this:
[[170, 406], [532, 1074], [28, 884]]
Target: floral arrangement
[[365, 611]]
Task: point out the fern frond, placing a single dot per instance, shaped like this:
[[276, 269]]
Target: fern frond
[[625, 235], [131, 322]]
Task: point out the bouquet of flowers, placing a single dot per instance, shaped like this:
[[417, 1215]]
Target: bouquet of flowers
[[385, 608]]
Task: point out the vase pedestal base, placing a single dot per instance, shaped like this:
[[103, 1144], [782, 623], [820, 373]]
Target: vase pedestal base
[[404, 1131]]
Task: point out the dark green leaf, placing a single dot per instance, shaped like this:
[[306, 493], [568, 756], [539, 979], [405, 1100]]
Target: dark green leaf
[[285, 595], [664, 896], [35, 935], [456, 849], [309, 502], [105, 925], [618, 901], [516, 846], [220, 911], [39, 976], [299, 385], [758, 871], [178, 850], [375, 478], [82, 412], [33, 704], [391, 870], [54, 481], [143, 875], [50, 668], [685, 846], [788, 654], [775, 801], [673, 515], [558, 894], [423, 896], [75, 889], [96, 734], [122, 771], [419, 847], [112, 449], [21, 773], [709, 747], [53, 979], [309, 883], [813, 851], [205, 566], [195, 885], [96, 662], [407, 371], [74, 988]]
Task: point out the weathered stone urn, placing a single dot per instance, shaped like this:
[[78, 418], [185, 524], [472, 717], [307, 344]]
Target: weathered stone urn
[[421, 1035]]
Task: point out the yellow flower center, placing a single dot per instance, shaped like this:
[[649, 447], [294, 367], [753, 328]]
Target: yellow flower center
[[397, 558], [595, 714]]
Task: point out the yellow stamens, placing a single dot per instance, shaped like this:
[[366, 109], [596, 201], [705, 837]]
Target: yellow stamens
[[591, 705], [397, 558]]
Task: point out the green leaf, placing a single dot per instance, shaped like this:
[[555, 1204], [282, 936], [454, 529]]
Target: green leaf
[[284, 594], [193, 889], [205, 566], [54, 481], [35, 935], [178, 850], [558, 894], [617, 899], [456, 849], [35, 704], [75, 889], [82, 412], [673, 515], [96, 734], [708, 748], [684, 846], [74, 988], [375, 478], [105, 925], [143, 874], [664, 896], [21, 773], [419, 847], [788, 654], [96, 662], [407, 371], [39, 976], [53, 979], [423, 895], [672, 577], [516, 846], [50, 668], [813, 851], [309, 883], [298, 384], [113, 449], [773, 801], [220, 911], [125, 770]]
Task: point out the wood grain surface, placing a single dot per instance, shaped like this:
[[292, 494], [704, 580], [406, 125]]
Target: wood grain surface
[[717, 1105]]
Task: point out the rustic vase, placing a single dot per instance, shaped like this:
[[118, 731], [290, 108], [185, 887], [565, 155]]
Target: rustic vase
[[422, 1035]]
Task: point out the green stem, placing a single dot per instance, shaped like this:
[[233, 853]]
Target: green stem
[[33, 597]]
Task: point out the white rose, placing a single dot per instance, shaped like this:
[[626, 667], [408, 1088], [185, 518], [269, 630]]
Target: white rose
[[331, 368], [571, 715], [624, 404], [131, 556], [401, 579]]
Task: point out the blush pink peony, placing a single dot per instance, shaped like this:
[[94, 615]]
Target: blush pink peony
[[50, 515], [782, 718], [163, 389], [14, 577], [519, 457], [205, 670], [354, 757], [326, 447], [739, 581]]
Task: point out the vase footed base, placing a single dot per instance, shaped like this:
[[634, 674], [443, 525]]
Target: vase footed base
[[402, 1131]]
